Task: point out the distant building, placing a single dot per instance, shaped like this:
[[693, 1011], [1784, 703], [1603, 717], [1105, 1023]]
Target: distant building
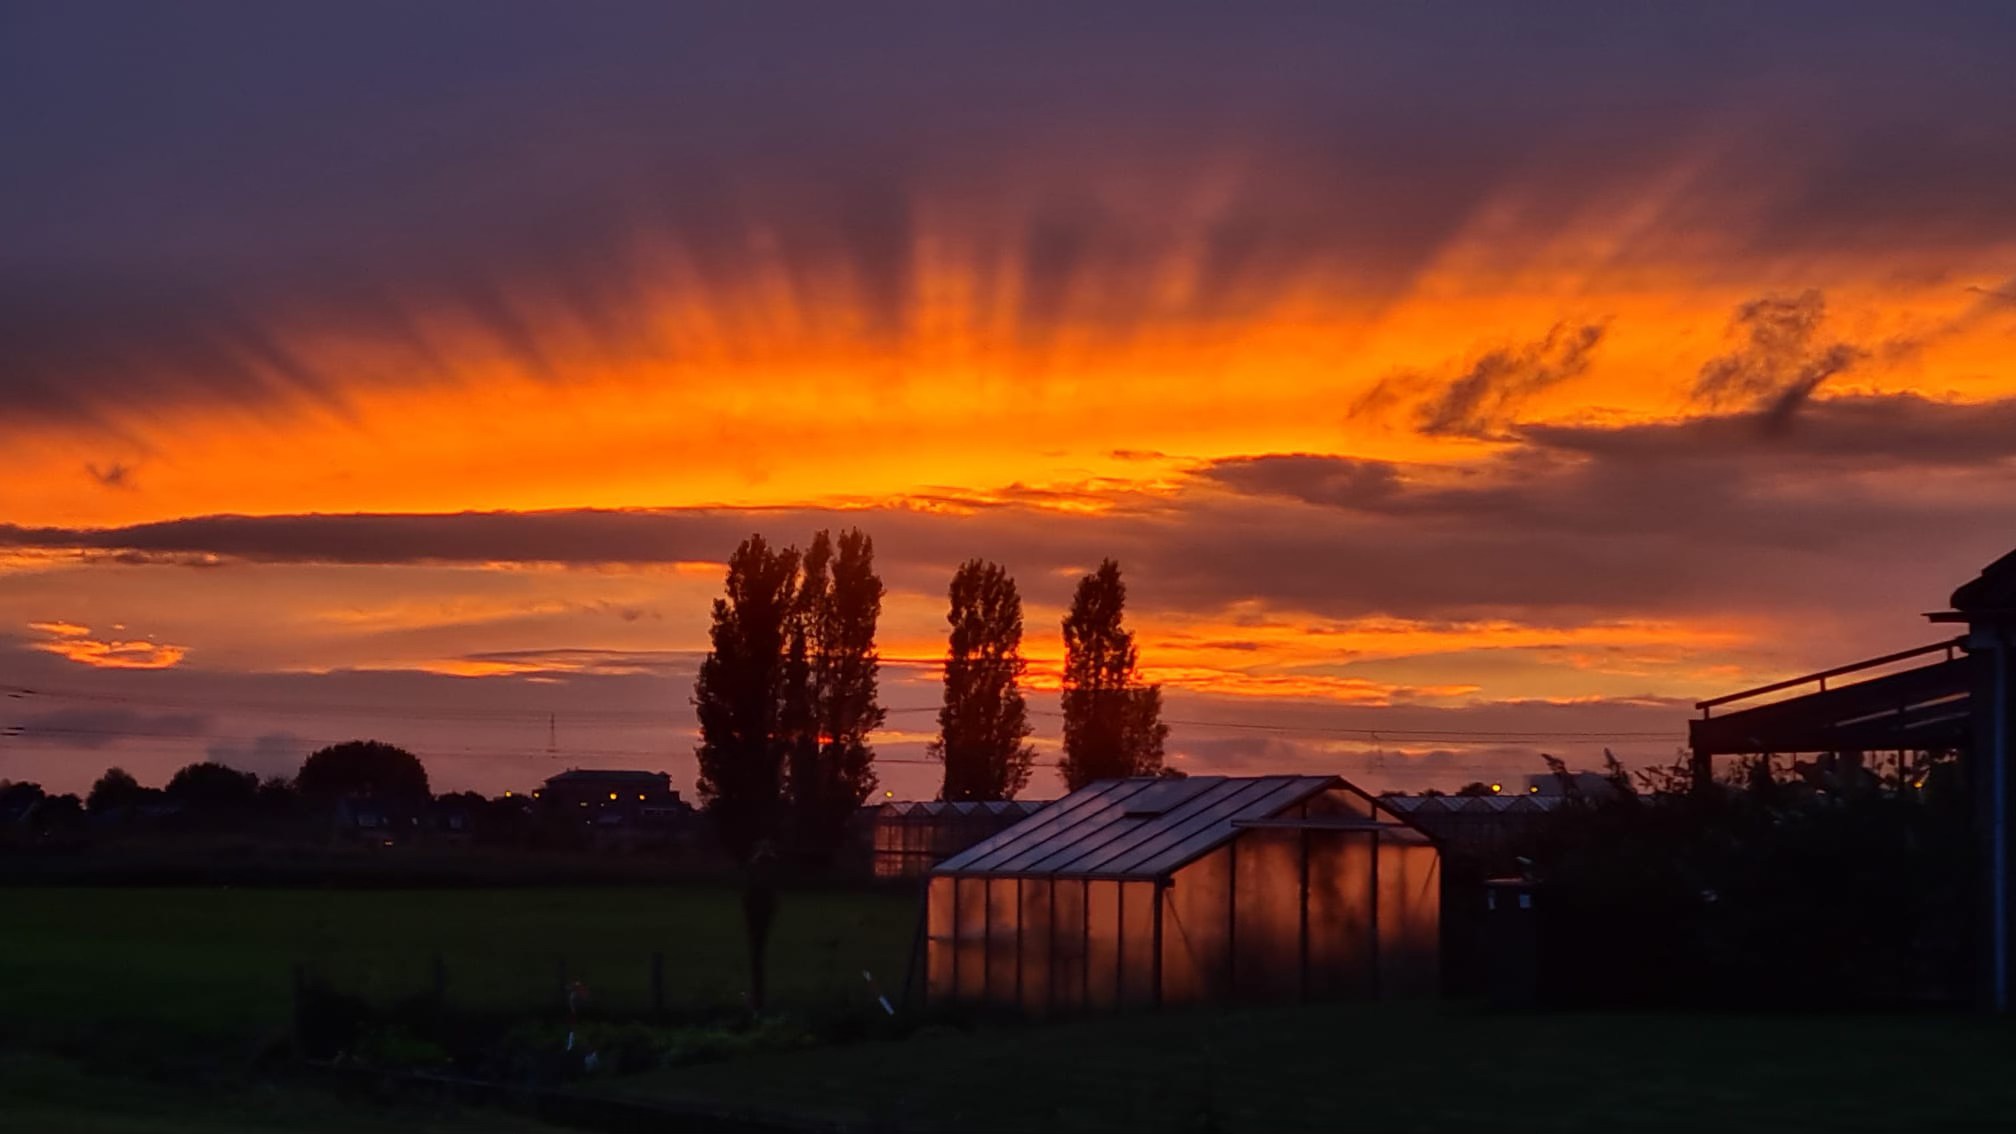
[[912, 837], [361, 819], [612, 799], [1483, 829]]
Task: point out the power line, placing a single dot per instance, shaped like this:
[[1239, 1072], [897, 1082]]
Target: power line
[[654, 717], [382, 709]]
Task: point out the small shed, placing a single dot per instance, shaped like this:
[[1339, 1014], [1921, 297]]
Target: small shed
[[913, 836], [1153, 891]]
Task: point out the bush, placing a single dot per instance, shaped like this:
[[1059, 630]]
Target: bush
[[1831, 889]]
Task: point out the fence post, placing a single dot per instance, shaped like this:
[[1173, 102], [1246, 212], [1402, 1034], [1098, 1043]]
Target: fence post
[[300, 1010], [657, 983]]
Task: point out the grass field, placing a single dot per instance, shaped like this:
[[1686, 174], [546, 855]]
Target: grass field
[[1396, 1068], [126, 987], [88, 968], [54, 1096]]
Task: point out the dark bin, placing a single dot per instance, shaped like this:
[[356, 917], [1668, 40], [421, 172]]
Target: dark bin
[[1512, 942]]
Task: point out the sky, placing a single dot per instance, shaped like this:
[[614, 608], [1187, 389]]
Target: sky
[[1453, 382]]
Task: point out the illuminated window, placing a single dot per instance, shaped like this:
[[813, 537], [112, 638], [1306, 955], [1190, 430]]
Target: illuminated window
[[612, 795]]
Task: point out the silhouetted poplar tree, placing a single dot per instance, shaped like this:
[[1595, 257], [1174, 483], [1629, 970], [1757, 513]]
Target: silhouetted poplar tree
[[829, 705], [983, 723], [739, 696], [1112, 722]]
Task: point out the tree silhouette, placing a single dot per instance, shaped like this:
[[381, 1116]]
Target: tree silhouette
[[830, 704], [738, 695], [276, 795], [213, 788], [363, 769], [1112, 722], [60, 813], [983, 723], [115, 789], [21, 794]]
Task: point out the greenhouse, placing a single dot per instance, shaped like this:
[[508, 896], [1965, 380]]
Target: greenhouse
[[913, 837], [1164, 891]]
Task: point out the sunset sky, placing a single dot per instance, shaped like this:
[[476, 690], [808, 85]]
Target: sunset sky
[[1452, 382]]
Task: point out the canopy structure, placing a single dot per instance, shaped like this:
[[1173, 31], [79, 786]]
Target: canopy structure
[[1851, 708], [1150, 891]]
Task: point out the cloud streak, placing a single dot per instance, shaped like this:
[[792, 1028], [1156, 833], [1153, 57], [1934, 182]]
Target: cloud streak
[[1779, 360], [1487, 396], [1641, 520]]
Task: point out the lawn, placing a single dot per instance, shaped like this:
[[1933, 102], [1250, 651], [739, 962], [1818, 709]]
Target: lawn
[[88, 968], [54, 1096], [136, 987], [1394, 1068]]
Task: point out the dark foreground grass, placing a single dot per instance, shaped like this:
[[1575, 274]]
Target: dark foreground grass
[[152, 972], [46, 1095], [1396, 1068]]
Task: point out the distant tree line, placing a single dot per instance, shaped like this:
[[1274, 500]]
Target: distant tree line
[[208, 797], [787, 700], [787, 697]]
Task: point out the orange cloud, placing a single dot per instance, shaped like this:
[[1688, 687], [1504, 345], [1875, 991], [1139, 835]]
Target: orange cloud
[[774, 392], [73, 642]]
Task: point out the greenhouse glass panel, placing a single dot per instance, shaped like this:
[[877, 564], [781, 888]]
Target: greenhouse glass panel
[[1267, 914], [1410, 905], [1196, 930], [1036, 946], [1341, 954], [1068, 931], [941, 935], [1102, 944], [1004, 913], [1137, 944], [970, 955]]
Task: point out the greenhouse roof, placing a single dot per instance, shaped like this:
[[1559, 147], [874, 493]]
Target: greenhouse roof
[[938, 807], [1145, 828]]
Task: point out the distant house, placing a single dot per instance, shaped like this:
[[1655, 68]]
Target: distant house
[[612, 802], [453, 820], [1152, 891], [913, 836], [367, 820], [1484, 829]]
